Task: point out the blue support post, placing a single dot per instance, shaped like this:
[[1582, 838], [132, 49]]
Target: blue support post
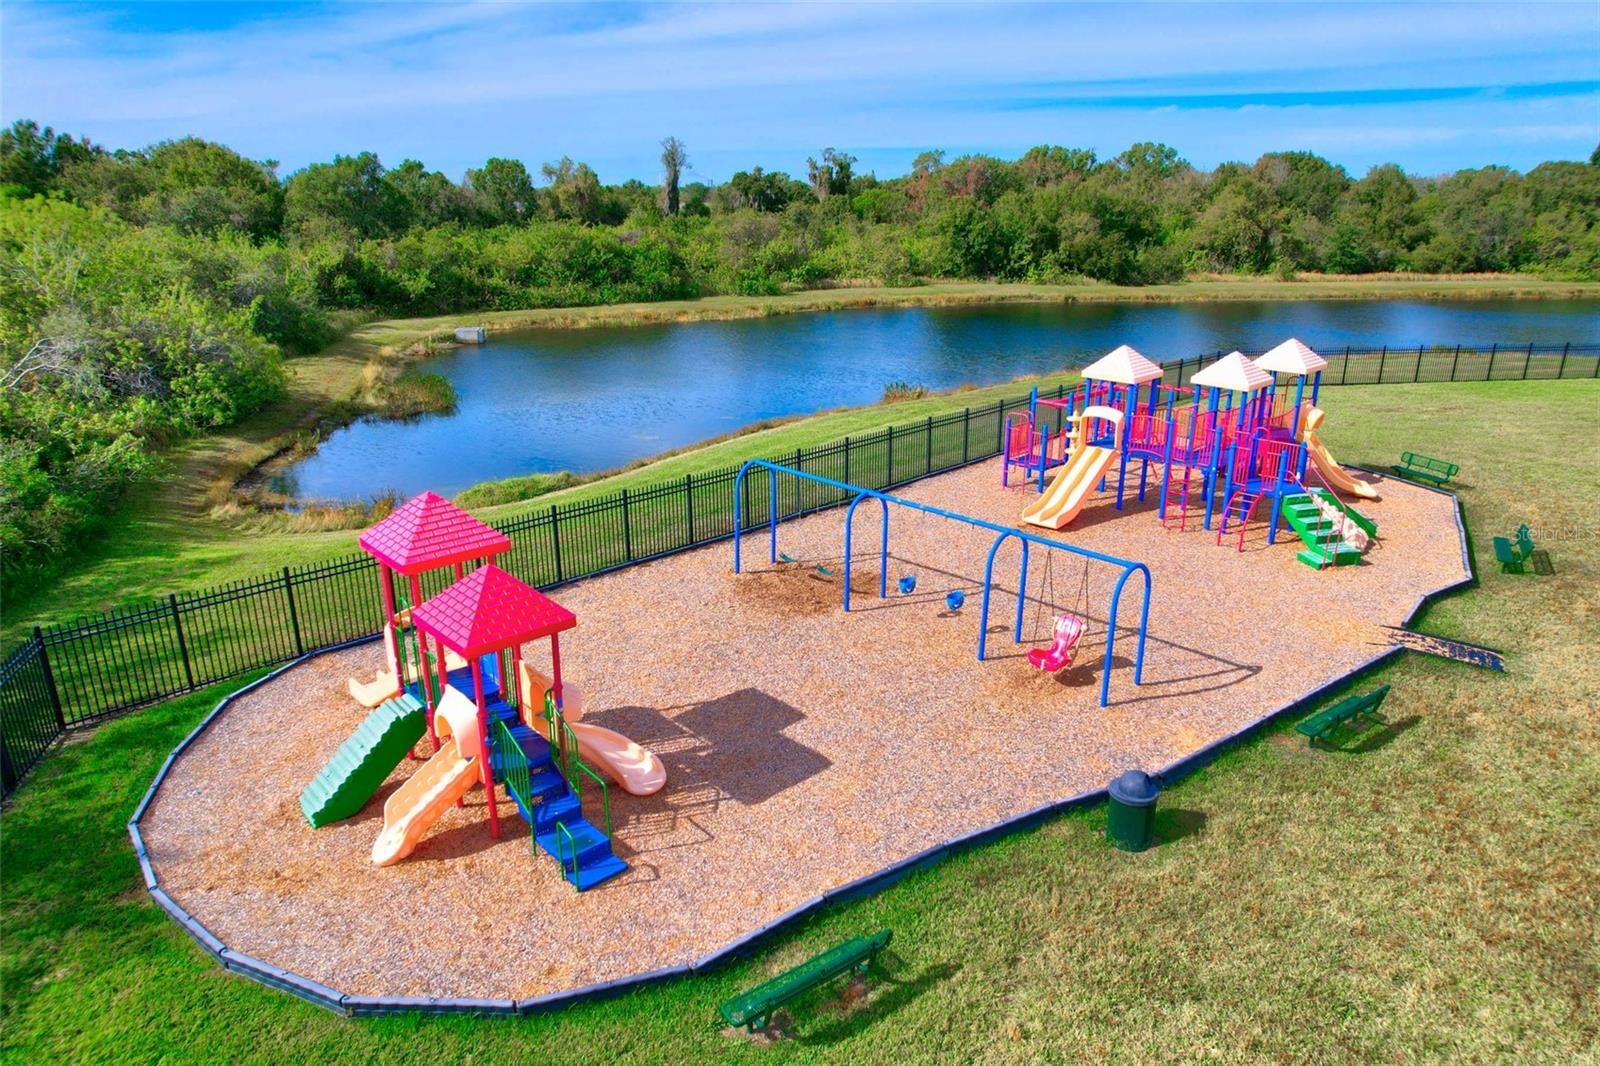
[[883, 549], [1213, 398]]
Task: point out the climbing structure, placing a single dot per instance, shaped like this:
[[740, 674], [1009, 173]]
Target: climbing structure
[[1236, 435], [427, 533], [485, 618]]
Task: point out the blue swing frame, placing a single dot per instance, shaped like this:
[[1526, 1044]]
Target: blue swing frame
[[1128, 567]]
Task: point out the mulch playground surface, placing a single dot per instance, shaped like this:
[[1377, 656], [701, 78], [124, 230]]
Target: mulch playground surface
[[806, 747]]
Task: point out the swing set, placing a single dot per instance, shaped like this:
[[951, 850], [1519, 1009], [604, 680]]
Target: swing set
[[1066, 642]]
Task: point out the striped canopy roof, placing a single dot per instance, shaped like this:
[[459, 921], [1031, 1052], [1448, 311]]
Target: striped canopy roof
[[428, 532], [1292, 357], [489, 610], [1233, 373], [1124, 366]]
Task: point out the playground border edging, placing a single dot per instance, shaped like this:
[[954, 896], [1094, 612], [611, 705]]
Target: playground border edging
[[867, 885]]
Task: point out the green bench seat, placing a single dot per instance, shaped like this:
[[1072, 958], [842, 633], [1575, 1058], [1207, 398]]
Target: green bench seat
[[754, 1008], [1320, 725], [1437, 471], [1513, 556]]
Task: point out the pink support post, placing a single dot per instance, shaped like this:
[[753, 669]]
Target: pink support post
[[444, 679], [483, 750], [555, 666]]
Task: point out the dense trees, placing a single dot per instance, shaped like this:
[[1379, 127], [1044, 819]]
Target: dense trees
[[147, 293]]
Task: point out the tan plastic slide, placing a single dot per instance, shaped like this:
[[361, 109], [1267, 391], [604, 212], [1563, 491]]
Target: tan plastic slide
[[1065, 496], [383, 684], [443, 779], [635, 768], [1327, 466]]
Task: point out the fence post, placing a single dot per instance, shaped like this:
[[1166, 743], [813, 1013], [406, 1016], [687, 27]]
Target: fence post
[[927, 465], [8, 773], [1416, 375], [1493, 348], [49, 679], [1527, 360], [797, 465], [966, 432], [1454, 362], [555, 538], [183, 645], [294, 617], [1383, 357], [888, 458], [846, 478], [999, 426], [1344, 371], [688, 497], [627, 529], [1562, 369]]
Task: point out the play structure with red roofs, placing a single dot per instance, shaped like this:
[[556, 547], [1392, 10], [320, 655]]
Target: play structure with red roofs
[[456, 676]]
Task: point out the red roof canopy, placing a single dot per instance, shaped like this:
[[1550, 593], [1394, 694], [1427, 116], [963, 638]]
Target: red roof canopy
[[488, 610], [428, 532]]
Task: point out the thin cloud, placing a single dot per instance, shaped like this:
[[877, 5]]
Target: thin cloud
[[769, 83]]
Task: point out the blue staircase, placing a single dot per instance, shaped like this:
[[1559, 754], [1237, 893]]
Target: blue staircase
[[559, 827]]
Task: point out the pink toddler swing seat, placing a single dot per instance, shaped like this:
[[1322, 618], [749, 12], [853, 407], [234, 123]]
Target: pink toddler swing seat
[[1058, 656]]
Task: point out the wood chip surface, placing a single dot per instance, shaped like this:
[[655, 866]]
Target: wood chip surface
[[805, 747]]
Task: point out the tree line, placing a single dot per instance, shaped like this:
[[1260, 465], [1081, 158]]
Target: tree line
[[149, 294]]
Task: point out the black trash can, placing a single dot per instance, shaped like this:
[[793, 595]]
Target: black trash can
[[1133, 810]]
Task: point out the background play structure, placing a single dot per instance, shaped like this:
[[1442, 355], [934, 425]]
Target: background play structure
[[1237, 435]]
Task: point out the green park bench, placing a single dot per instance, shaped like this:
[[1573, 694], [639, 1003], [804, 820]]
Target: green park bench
[[1437, 471], [754, 1008], [1320, 725], [1513, 556]]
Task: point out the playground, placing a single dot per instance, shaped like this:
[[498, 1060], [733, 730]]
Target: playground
[[803, 746]]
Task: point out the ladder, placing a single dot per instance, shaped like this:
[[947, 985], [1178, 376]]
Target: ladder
[[1245, 502]]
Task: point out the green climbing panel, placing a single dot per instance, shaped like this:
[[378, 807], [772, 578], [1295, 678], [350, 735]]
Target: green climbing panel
[[1323, 544], [358, 768]]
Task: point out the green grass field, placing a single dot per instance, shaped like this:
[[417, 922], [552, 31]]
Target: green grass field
[[1430, 893]]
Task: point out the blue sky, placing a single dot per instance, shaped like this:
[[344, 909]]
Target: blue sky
[[1434, 87]]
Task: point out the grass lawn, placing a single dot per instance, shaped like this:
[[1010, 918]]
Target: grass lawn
[[1429, 893]]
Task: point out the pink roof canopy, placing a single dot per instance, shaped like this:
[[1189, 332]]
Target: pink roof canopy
[[489, 610], [1233, 373], [428, 532], [1124, 366], [1292, 357]]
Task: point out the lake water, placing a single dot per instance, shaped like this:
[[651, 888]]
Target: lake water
[[583, 400]]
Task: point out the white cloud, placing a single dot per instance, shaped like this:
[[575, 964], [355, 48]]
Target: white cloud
[[453, 83]]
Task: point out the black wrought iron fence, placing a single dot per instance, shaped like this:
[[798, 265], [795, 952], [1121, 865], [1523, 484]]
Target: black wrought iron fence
[[79, 672]]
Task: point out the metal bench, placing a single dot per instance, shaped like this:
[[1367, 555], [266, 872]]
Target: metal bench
[[1437, 471], [1319, 726], [1513, 556], [754, 1008]]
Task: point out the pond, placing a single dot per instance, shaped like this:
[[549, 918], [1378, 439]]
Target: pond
[[583, 400]]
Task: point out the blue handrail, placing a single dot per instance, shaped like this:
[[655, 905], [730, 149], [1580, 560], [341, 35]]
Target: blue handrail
[[1128, 567]]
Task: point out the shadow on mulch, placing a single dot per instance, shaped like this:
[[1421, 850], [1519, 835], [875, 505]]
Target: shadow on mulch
[[743, 751]]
